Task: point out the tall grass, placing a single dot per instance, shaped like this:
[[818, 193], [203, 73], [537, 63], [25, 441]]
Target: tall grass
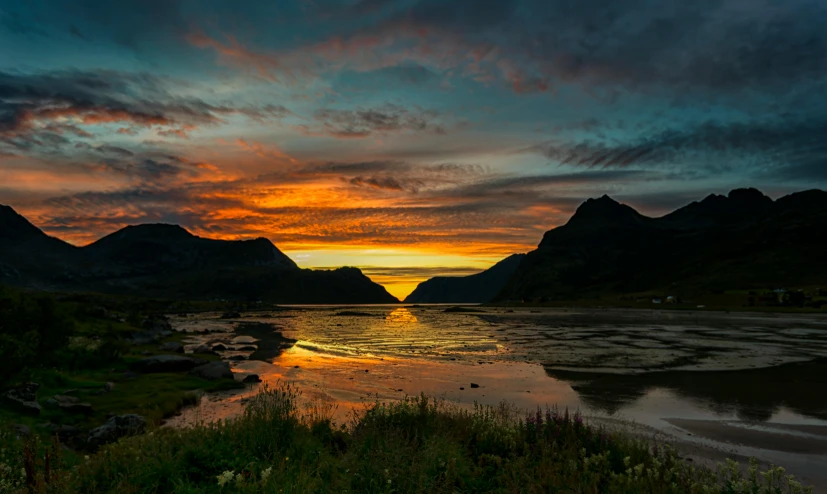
[[416, 445]]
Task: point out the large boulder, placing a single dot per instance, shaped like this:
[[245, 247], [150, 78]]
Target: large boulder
[[116, 428], [213, 371], [24, 398], [166, 363]]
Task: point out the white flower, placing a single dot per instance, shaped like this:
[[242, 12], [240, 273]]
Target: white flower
[[225, 477], [86, 457], [389, 481], [239, 479], [266, 474]]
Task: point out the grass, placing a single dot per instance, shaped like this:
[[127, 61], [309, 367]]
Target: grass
[[416, 445], [75, 345]]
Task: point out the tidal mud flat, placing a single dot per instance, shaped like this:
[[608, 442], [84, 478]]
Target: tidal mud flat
[[717, 384]]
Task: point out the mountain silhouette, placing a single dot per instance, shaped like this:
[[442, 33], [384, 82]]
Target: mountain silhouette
[[476, 288], [161, 260], [743, 240]]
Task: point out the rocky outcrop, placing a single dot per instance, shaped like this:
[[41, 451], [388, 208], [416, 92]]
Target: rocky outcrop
[[213, 371], [24, 398], [116, 428], [166, 363]]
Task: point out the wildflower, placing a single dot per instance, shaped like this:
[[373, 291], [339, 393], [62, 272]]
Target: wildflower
[[225, 477], [286, 458], [239, 479], [86, 457], [266, 474], [389, 481]]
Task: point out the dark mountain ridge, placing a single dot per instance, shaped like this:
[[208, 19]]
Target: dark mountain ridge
[[739, 241], [476, 288], [162, 260]]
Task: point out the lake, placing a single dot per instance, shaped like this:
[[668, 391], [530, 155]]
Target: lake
[[718, 384]]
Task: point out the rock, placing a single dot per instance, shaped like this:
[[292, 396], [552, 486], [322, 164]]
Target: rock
[[109, 387], [251, 378], [50, 402], [166, 363], [247, 348], [24, 398], [203, 350], [115, 428], [213, 371], [219, 348], [21, 431], [144, 338], [474, 385], [172, 346], [65, 400]]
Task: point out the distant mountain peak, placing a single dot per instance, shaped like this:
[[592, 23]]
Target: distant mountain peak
[[14, 227], [604, 210], [749, 196], [154, 230]]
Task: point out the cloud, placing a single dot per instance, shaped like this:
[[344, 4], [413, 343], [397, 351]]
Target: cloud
[[537, 46], [36, 107], [789, 146], [233, 53], [387, 119]]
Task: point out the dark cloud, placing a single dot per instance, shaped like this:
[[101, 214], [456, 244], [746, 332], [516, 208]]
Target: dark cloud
[[378, 182], [707, 46], [790, 147], [31, 103], [386, 119]]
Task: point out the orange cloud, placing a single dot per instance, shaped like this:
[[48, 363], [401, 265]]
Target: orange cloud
[[234, 53], [262, 151]]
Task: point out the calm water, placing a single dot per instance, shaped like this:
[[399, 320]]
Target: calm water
[[747, 384]]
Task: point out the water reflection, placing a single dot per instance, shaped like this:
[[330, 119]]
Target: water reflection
[[753, 395], [402, 316]]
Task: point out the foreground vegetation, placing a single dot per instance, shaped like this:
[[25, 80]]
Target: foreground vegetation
[[82, 345], [417, 445]]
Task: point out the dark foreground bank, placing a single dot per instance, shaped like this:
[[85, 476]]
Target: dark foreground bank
[[417, 445]]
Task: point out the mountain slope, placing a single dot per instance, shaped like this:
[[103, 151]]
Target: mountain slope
[[740, 241], [476, 288], [159, 260]]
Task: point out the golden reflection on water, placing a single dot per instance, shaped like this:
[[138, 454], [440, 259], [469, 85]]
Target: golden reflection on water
[[401, 315]]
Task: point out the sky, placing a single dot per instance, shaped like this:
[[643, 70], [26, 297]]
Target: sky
[[410, 138]]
